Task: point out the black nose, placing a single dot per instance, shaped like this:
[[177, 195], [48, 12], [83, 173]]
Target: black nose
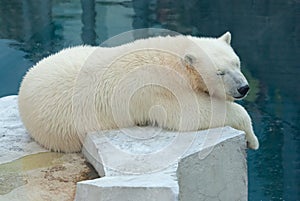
[[243, 90]]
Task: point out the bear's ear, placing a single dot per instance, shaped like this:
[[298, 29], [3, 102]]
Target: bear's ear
[[188, 60], [226, 37]]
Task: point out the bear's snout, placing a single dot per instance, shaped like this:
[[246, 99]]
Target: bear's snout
[[243, 90]]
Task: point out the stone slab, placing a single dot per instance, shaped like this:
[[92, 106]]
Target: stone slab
[[153, 187], [202, 165], [221, 175], [148, 149]]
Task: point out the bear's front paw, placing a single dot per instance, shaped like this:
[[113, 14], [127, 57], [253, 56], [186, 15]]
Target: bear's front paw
[[253, 143]]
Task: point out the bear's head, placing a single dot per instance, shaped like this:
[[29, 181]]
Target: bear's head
[[214, 67]]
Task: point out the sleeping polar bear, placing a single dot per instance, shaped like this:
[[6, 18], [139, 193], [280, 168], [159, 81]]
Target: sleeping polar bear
[[181, 83]]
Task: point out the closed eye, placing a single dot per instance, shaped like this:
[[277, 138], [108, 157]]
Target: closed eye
[[236, 64], [219, 72]]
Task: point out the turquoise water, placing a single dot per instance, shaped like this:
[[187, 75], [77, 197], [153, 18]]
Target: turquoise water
[[265, 35]]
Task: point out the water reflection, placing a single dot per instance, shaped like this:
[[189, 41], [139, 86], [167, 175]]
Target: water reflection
[[88, 18], [265, 35], [28, 22]]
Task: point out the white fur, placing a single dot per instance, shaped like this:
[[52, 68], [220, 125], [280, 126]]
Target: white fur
[[149, 81]]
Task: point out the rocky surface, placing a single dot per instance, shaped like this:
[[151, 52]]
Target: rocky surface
[[14, 140], [46, 176], [29, 172]]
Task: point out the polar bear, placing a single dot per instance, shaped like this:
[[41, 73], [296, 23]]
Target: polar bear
[[181, 83]]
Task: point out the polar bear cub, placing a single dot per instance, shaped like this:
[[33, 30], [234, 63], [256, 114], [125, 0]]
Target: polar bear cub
[[181, 83]]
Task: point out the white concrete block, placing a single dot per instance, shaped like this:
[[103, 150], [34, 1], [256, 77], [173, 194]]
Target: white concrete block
[[221, 175], [209, 165], [154, 187], [135, 150]]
